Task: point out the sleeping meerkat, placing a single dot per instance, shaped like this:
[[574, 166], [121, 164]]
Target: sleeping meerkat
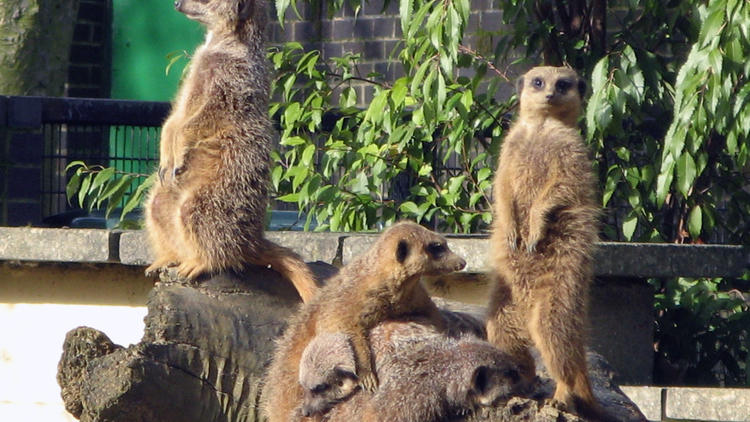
[[206, 212], [327, 374], [544, 229], [381, 284], [426, 375]]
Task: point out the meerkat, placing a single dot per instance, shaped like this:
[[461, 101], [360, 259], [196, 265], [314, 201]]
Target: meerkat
[[327, 374], [426, 375], [544, 229], [380, 284], [206, 212]]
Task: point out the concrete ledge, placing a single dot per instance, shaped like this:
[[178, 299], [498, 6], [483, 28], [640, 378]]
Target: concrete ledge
[[58, 245], [134, 249], [645, 260], [691, 404], [613, 259], [648, 400], [708, 404]]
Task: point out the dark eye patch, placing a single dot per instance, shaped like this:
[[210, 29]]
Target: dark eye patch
[[563, 85], [435, 249], [320, 388], [402, 251], [537, 83]]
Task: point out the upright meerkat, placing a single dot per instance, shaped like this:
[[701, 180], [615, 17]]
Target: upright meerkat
[[426, 376], [382, 283], [544, 229], [206, 212]]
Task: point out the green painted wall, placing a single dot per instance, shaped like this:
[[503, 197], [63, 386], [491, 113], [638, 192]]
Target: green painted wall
[[144, 33]]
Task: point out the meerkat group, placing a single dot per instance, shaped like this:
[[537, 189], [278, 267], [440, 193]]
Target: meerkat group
[[379, 285], [544, 230], [206, 211], [205, 214]]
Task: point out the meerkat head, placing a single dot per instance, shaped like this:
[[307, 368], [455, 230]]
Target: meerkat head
[[485, 379], [416, 251], [223, 15], [555, 92], [327, 373]]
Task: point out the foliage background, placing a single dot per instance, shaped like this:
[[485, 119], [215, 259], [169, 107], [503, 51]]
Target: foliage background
[[667, 122], [426, 146]]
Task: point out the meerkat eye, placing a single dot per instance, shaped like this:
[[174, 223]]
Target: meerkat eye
[[563, 85], [537, 83], [435, 249], [320, 388]]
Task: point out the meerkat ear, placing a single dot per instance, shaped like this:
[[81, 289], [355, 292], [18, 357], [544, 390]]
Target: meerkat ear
[[519, 85], [402, 251], [245, 9], [581, 87]]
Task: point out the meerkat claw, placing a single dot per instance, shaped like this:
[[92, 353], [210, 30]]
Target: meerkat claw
[[369, 382]]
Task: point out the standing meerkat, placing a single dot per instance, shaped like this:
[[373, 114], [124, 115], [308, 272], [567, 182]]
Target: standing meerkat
[[381, 284], [206, 212], [426, 376], [544, 229]]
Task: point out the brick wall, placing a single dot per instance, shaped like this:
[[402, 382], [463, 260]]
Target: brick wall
[[90, 54], [373, 34]]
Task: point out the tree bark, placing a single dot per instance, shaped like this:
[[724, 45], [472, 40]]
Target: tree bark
[[35, 39]]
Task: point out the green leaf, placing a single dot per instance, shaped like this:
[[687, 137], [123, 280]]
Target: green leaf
[[405, 9], [398, 92], [685, 173], [409, 207], [292, 141], [290, 197], [307, 156], [695, 221], [613, 178], [114, 187], [629, 225], [281, 6], [73, 186], [83, 192], [292, 114], [77, 163], [377, 107], [102, 177], [137, 197]]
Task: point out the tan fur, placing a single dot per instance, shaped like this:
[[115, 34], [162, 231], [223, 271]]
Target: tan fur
[[544, 230], [426, 375], [206, 212], [381, 284]]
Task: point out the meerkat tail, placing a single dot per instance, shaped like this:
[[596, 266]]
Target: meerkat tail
[[287, 263]]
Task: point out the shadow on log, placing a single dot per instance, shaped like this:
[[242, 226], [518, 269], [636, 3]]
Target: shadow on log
[[205, 348]]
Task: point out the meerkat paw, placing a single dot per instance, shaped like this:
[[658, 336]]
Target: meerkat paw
[[512, 238], [531, 245], [157, 265], [152, 270], [369, 382], [191, 269], [557, 404]]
